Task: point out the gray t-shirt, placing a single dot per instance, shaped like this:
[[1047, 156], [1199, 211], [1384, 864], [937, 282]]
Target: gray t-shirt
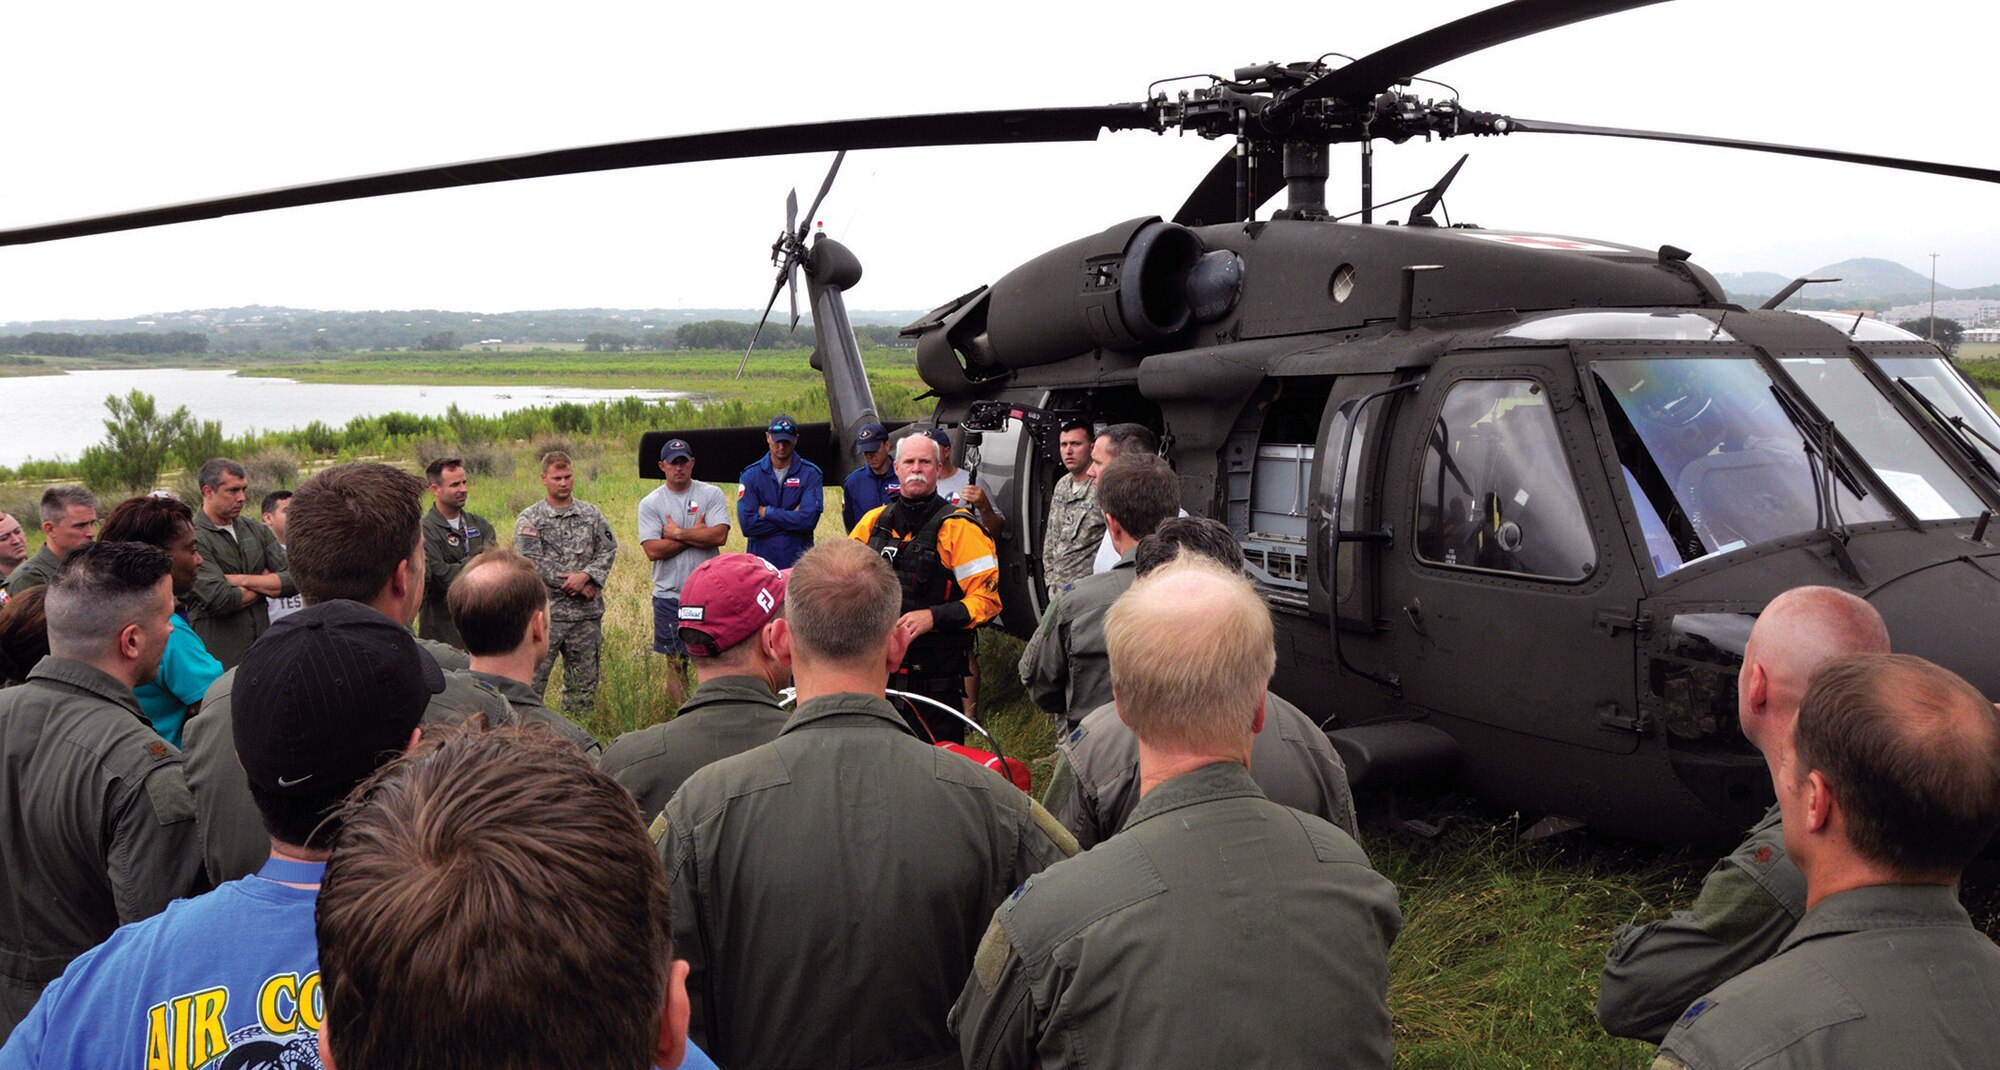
[[701, 506]]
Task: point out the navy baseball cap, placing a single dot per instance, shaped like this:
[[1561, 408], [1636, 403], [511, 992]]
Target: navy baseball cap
[[941, 436], [870, 438], [783, 428], [324, 694], [676, 449]]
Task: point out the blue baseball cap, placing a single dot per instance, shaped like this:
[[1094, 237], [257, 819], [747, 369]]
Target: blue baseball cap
[[676, 449], [941, 436], [870, 438], [783, 428]]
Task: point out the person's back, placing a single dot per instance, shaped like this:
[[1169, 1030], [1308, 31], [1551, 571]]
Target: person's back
[[96, 824], [1217, 927], [1211, 892], [830, 886]]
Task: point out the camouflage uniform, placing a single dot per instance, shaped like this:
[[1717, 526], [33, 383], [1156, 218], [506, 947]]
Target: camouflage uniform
[[1076, 525], [572, 539]]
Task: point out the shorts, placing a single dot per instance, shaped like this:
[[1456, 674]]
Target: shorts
[[667, 627]]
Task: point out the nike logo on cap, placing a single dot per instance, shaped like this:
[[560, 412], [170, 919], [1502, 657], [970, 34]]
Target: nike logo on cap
[[288, 782]]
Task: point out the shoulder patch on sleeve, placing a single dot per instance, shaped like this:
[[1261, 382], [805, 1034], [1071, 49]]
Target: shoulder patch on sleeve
[[658, 829], [1667, 1060], [1053, 829], [173, 803], [991, 958]]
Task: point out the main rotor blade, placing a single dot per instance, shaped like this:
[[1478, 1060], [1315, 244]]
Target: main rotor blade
[[823, 187], [1980, 174], [1371, 74], [1214, 197], [902, 131]]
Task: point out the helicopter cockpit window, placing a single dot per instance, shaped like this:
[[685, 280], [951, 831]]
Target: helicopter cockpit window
[[1620, 326], [1934, 378], [1887, 441], [1711, 459], [1497, 492]]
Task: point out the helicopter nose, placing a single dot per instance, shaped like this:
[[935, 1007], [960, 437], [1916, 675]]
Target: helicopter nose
[[1948, 613]]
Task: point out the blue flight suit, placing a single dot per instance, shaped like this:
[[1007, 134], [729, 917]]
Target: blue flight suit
[[786, 529], [865, 492]]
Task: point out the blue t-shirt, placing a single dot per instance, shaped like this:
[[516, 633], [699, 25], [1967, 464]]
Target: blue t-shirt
[[235, 971], [186, 670]]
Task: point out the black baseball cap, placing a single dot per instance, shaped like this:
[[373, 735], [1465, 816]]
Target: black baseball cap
[[324, 694], [676, 449]]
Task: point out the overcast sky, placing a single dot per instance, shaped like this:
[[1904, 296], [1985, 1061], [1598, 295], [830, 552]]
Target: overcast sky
[[124, 105]]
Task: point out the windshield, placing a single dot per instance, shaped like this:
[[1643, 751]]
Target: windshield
[[1935, 380], [1712, 461], [1877, 430]]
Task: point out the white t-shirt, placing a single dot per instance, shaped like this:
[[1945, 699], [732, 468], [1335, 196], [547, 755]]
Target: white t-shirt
[[949, 487]]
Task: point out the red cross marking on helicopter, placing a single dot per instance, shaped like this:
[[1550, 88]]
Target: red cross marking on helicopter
[[1540, 242]]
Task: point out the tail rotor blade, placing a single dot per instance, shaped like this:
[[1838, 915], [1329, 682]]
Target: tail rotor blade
[[792, 211], [823, 187], [794, 277], [783, 274]]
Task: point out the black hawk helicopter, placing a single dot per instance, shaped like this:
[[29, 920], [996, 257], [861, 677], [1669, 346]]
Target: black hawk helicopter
[[1514, 498]]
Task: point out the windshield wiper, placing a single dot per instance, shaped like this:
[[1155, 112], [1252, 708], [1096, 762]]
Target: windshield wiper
[[1826, 465], [1955, 428]]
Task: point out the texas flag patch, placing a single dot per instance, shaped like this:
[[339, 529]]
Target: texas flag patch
[[792, 481], [893, 488], [693, 508]]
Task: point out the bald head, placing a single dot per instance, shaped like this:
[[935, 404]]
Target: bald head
[[13, 544], [1191, 656], [1798, 632], [494, 601], [1910, 757]]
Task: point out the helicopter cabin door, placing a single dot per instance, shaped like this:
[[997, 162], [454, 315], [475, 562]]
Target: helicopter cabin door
[[1513, 594]]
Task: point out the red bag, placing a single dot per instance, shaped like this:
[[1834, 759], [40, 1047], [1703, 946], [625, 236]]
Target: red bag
[[1013, 769]]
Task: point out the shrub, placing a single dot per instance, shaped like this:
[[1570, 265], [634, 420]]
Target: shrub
[[318, 438], [201, 441], [569, 417], [272, 468]]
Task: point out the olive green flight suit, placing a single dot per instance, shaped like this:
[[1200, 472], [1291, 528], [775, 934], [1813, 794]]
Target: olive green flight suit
[[36, 571], [1884, 976], [726, 715], [1066, 668], [1748, 904], [233, 840], [96, 824], [215, 607], [530, 709], [446, 550], [1217, 929], [1095, 786], [829, 888]]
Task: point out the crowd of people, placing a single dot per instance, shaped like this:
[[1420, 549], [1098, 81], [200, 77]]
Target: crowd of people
[[236, 832]]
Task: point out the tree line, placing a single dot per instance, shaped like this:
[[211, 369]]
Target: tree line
[[130, 343]]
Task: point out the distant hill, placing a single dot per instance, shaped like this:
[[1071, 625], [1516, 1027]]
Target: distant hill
[[269, 329], [1864, 282]]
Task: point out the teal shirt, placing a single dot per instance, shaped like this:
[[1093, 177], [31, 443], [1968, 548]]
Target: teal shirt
[[186, 670]]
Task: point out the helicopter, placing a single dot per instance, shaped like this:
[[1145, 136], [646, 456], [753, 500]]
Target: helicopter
[[1513, 497]]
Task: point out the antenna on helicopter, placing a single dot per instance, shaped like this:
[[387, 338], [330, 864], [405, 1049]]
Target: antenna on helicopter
[[787, 252], [1420, 216]]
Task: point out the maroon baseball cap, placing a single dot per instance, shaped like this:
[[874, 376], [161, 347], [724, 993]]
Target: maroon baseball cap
[[726, 600]]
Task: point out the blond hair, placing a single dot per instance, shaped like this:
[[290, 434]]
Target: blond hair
[[1192, 651]]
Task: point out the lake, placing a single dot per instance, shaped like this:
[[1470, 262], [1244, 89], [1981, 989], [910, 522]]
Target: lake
[[51, 416]]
